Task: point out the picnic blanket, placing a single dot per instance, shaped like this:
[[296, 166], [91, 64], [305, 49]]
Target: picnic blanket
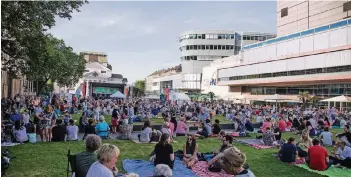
[[9, 144], [201, 169], [146, 168], [255, 143], [331, 172]]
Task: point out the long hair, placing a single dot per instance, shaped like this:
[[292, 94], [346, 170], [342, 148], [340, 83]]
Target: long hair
[[163, 139], [193, 141]]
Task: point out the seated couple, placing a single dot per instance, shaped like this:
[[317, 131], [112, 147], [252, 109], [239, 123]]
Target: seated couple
[[270, 138], [149, 135], [346, 136], [317, 158]]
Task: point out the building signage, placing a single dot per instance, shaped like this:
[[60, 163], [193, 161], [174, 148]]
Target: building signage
[[213, 82]]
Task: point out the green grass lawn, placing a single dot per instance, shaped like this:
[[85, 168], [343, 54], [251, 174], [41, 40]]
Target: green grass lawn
[[155, 121], [49, 159]]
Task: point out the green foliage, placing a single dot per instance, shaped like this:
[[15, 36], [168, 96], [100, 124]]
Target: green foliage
[[52, 60], [140, 84], [24, 21], [211, 94]]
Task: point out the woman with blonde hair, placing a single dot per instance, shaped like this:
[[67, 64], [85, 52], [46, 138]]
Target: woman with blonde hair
[[233, 161], [106, 165], [304, 143]]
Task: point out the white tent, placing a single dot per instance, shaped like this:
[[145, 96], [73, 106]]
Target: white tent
[[118, 94], [174, 96], [341, 99]]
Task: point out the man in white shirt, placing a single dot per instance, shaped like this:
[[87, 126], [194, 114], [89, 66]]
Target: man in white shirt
[[72, 131], [326, 137]]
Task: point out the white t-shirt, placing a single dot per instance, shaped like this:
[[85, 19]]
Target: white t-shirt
[[99, 170], [72, 132], [327, 138], [342, 123], [25, 118], [21, 134], [313, 122], [145, 135]]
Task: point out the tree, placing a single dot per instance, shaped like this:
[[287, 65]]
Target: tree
[[51, 59], [211, 94], [304, 97], [23, 20], [139, 87]]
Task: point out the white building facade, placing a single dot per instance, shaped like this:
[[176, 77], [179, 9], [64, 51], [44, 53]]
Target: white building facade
[[200, 47], [317, 60]]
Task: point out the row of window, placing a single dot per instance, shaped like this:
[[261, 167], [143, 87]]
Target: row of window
[[224, 36], [295, 90], [206, 57], [86, 71], [300, 34], [290, 73], [209, 47]]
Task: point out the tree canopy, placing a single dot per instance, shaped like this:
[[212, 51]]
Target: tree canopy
[[31, 49], [25, 20]]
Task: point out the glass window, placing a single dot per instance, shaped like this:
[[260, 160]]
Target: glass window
[[338, 24], [215, 47], [187, 47], [195, 47], [207, 36], [231, 47], [207, 47], [307, 32], [252, 37], [211, 47], [203, 47], [334, 91], [259, 91], [219, 47], [199, 36], [269, 91], [281, 90], [232, 36], [256, 38], [191, 47], [227, 36], [322, 28], [203, 36], [227, 47], [223, 47], [220, 36]]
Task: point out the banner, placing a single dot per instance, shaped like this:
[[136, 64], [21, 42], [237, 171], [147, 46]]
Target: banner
[[84, 88], [126, 90], [166, 90], [68, 97]]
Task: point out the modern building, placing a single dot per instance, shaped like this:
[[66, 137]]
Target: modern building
[[200, 47], [294, 16], [170, 78], [99, 57], [317, 60]]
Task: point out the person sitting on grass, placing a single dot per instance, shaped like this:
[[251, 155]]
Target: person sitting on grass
[[326, 137], [165, 128], [105, 166], [216, 129], [288, 151], [182, 128], [233, 161], [171, 126], [89, 129], [58, 131], [102, 128], [318, 157], [125, 130], [268, 137], [162, 170], [304, 143], [72, 131], [342, 156], [85, 159], [164, 151], [20, 132], [206, 129], [346, 136], [213, 164], [146, 132], [190, 151]]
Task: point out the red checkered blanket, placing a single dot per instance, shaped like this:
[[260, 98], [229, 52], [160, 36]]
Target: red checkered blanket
[[201, 169]]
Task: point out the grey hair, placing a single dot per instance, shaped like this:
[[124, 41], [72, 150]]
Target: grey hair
[[163, 170], [92, 142], [101, 118]]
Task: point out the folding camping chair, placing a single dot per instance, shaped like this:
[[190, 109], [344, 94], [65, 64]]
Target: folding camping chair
[[71, 164]]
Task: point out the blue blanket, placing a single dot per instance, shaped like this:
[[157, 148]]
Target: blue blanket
[[146, 168]]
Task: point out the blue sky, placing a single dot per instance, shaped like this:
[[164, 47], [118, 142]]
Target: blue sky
[[141, 37]]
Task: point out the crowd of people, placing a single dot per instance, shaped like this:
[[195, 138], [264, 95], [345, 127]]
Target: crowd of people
[[51, 118]]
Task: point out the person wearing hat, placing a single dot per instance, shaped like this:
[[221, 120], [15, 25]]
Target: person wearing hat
[[102, 128]]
